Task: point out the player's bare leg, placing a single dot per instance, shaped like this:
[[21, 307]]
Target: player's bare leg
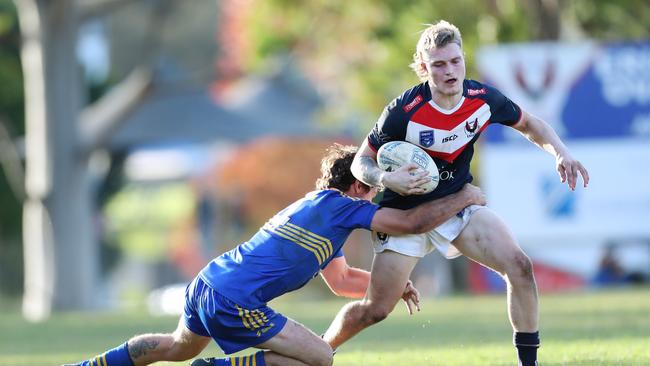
[[295, 345], [389, 275], [488, 241], [146, 349], [181, 345]]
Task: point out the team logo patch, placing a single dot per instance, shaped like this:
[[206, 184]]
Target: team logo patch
[[426, 138], [383, 237], [471, 127]]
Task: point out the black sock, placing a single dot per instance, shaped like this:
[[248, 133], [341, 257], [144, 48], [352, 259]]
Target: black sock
[[527, 344]]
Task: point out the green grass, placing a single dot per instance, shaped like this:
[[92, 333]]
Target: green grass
[[601, 328]]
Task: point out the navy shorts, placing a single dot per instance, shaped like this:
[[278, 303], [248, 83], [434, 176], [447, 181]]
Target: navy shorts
[[234, 327]]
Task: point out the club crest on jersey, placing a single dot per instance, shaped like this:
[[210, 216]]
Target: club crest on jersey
[[471, 127], [426, 138]]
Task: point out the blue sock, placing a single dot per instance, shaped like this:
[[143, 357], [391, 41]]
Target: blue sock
[[527, 344], [256, 359], [118, 356]]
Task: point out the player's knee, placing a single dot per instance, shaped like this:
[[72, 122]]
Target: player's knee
[[180, 350], [521, 268], [325, 357], [376, 313], [327, 360], [180, 353]]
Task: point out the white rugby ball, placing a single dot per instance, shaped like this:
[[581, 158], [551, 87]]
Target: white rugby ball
[[393, 155]]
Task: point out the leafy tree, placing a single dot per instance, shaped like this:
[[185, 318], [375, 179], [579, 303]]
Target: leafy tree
[[11, 126], [610, 20], [358, 52], [11, 80], [253, 174]]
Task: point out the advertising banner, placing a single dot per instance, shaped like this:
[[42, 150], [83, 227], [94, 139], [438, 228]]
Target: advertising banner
[[584, 90], [597, 97]]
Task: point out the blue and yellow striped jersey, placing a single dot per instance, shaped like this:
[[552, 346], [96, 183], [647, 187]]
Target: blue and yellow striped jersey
[[289, 249]]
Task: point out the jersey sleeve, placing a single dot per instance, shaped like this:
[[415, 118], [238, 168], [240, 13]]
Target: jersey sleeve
[[503, 110], [350, 213], [389, 127], [337, 254]]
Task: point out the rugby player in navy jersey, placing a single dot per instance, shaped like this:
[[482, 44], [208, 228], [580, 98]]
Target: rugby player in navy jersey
[[445, 115], [228, 299]]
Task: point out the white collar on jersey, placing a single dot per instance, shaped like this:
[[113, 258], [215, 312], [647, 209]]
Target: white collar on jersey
[[447, 111]]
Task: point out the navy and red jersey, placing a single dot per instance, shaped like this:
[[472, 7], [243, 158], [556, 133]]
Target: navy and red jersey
[[448, 136]]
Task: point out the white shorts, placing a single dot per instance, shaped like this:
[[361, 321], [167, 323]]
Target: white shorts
[[419, 245]]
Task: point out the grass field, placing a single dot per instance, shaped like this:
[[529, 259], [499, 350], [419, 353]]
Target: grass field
[[590, 329]]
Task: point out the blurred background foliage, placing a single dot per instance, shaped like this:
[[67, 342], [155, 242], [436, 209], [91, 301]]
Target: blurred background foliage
[[246, 175], [355, 53], [147, 215], [358, 52], [11, 127]]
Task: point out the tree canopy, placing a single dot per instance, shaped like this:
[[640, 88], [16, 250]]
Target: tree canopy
[[358, 52], [11, 127]]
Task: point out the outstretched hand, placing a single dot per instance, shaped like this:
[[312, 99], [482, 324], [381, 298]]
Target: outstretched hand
[[406, 180], [567, 168], [475, 194], [411, 297]]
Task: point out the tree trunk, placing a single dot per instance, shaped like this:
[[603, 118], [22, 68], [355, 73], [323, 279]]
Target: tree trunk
[[545, 19], [60, 248]]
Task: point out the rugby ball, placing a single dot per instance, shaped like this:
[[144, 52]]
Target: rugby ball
[[391, 156]]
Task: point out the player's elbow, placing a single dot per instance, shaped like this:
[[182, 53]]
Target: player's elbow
[[375, 313], [356, 166]]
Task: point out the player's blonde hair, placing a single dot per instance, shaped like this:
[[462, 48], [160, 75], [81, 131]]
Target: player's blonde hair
[[434, 36]]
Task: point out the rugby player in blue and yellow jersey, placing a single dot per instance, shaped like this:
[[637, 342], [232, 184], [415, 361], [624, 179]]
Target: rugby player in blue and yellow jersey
[[228, 299]]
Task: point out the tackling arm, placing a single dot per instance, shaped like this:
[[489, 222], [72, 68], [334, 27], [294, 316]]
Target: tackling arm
[[426, 216], [344, 280], [541, 134]]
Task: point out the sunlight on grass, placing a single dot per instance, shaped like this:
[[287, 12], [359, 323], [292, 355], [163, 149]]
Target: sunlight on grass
[[581, 329]]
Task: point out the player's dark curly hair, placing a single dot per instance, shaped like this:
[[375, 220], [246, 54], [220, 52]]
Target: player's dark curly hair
[[335, 168]]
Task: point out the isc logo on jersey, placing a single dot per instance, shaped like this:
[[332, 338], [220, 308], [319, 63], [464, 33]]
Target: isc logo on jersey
[[391, 156], [449, 138]]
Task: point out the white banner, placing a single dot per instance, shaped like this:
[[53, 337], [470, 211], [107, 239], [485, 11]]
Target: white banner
[[522, 185], [584, 90], [597, 97]]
